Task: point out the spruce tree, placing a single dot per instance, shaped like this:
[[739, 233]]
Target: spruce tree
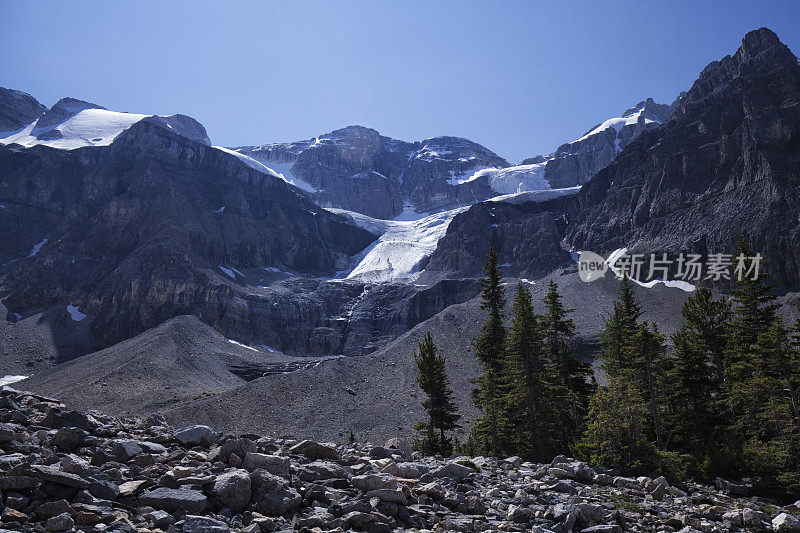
[[697, 376], [534, 392], [574, 375], [439, 404], [620, 327], [647, 354], [490, 349]]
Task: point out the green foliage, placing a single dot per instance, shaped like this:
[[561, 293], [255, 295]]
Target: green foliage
[[490, 349], [620, 327], [439, 403], [616, 435]]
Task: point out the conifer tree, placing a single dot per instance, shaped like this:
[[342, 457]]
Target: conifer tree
[[647, 354], [620, 327], [534, 393], [439, 404], [490, 349], [698, 373], [574, 375]]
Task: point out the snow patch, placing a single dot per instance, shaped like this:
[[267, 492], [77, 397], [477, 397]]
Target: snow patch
[[243, 345], [74, 313], [509, 180], [617, 123], [227, 271], [8, 379], [37, 247], [535, 196], [89, 127], [401, 248], [677, 283]]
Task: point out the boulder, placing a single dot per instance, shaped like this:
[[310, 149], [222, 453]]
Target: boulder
[[785, 522], [182, 499], [314, 450], [274, 464], [196, 436], [203, 524], [232, 490], [452, 471]]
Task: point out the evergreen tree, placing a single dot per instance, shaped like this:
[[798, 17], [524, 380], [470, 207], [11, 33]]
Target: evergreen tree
[[698, 373], [490, 349], [620, 327], [647, 354], [574, 375], [755, 312], [439, 404], [534, 392]]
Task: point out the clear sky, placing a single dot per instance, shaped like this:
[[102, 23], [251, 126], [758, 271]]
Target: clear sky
[[518, 77]]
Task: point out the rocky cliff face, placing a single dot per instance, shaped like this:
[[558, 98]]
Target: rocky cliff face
[[576, 162], [725, 164], [134, 231], [527, 238], [358, 169], [18, 109]]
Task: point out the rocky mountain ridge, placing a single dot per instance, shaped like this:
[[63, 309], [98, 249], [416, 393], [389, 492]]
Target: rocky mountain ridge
[[64, 470], [725, 164]]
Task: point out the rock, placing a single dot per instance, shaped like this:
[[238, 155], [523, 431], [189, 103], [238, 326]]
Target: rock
[[160, 519], [274, 464], [370, 482], [182, 499], [452, 471], [406, 470], [785, 522], [65, 418], [105, 490], [52, 474], [314, 450], [751, 518], [388, 495], [124, 450], [62, 522], [272, 494], [400, 444], [240, 447], [18, 483], [604, 528], [69, 438], [73, 464], [196, 436], [736, 489], [232, 490], [203, 524]]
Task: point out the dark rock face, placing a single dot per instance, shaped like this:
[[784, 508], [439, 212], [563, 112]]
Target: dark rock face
[[134, 229], [725, 164], [358, 169], [17, 110], [527, 239], [575, 163]]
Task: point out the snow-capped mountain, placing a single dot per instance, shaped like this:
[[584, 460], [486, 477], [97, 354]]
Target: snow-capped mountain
[[73, 123], [358, 169], [575, 163]]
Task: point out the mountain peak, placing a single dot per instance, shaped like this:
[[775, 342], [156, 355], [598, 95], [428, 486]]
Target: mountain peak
[[759, 40]]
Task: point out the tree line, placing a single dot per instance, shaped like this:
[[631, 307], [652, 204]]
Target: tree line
[[721, 401]]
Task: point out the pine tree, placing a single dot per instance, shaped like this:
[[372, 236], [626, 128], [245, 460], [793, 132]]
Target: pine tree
[[534, 392], [439, 403], [574, 375], [490, 349], [620, 327]]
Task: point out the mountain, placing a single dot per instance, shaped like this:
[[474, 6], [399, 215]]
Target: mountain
[[135, 219], [357, 169], [575, 163], [17, 110], [725, 164]]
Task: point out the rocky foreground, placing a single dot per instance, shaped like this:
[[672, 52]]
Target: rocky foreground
[[63, 470]]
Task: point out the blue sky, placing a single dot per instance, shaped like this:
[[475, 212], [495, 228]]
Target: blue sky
[[518, 77]]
